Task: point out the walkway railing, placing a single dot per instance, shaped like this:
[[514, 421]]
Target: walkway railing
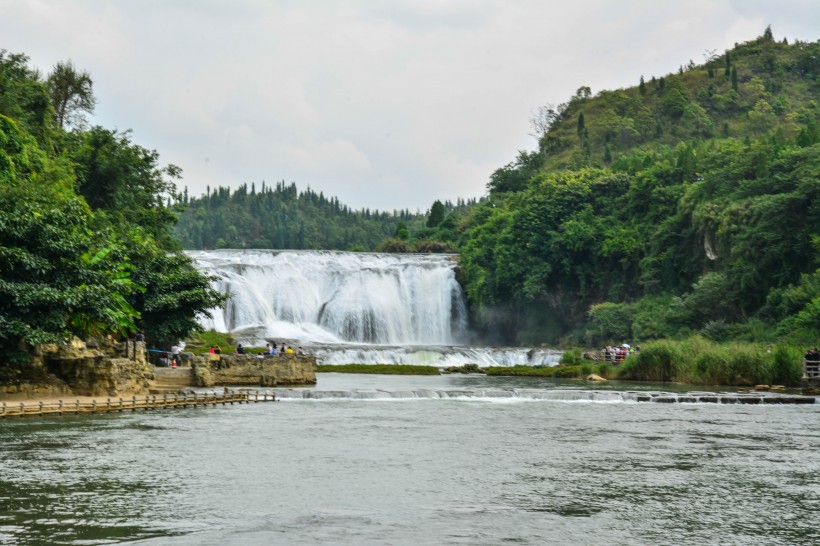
[[133, 404], [811, 369]]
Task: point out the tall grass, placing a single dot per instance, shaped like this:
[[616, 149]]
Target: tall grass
[[699, 361]]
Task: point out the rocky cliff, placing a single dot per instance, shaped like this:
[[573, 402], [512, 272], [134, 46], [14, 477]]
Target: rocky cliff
[[208, 371], [82, 368]]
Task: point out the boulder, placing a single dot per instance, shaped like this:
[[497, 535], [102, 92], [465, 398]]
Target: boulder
[[595, 377]]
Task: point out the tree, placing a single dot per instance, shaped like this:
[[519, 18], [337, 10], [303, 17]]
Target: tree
[[23, 97], [175, 294], [513, 177], [71, 93], [58, 276], [402, 233], [126, 182], [436, 215], [545, 118], [734, 78], [642, 87], [581, 126]]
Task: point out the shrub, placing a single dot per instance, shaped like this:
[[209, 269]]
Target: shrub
[[712, 367], [655, 362], [787, 368], [572, 358]]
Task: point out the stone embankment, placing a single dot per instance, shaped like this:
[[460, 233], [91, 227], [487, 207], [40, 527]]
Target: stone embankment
[[207, 371], [80, 368], [104, 369]]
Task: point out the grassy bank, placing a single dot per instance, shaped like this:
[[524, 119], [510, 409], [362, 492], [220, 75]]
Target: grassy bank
[[578, 371], [384, 369], [698, 361]]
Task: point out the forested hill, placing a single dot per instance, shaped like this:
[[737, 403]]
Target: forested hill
[[685, 204], [282, 217]]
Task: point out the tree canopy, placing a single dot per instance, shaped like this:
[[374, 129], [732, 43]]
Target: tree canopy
[[85, 229]]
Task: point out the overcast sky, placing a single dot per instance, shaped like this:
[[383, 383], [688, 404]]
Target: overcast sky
[[385, 104]]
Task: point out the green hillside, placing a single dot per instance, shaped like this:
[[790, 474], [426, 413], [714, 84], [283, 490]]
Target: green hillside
[[686, 204], [760, 87]]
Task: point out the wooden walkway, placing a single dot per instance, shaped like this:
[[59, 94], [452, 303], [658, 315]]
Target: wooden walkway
[[133, 404]]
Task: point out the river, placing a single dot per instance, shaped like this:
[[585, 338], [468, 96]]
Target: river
[[369, 466]]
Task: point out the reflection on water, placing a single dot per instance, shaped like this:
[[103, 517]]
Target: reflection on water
[[416, 471]]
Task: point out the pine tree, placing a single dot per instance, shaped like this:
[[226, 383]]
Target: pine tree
[[581, 127], [642, 87]]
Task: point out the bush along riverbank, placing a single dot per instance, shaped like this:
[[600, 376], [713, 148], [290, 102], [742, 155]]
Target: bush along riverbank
[[698, 361]]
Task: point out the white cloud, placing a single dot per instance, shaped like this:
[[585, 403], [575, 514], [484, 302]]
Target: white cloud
[[383, 104]]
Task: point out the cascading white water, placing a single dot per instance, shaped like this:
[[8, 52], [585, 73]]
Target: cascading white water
[[337, 297]]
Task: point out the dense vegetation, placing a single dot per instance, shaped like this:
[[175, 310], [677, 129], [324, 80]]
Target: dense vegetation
[[282, 217], [698, 361], [85, 232], [687, 204]]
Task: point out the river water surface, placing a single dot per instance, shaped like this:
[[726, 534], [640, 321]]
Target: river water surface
[[375, 466]]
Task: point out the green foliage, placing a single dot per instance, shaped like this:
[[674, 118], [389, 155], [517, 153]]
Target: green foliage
[[23, 97], [176, 295], [58, 276], [610, 321], [85, 232], [402, 233], [202, 341], [679, 231], [573, 357], [787, 365], [659, 361], [698, 361], [124, 183], [436, 216], [281, 217], [71, 94]]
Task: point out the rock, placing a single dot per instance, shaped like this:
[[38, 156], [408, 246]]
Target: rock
[[762, 388], [595, 377], [778, 387]]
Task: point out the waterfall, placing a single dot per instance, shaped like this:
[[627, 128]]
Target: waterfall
[[337, 297]]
